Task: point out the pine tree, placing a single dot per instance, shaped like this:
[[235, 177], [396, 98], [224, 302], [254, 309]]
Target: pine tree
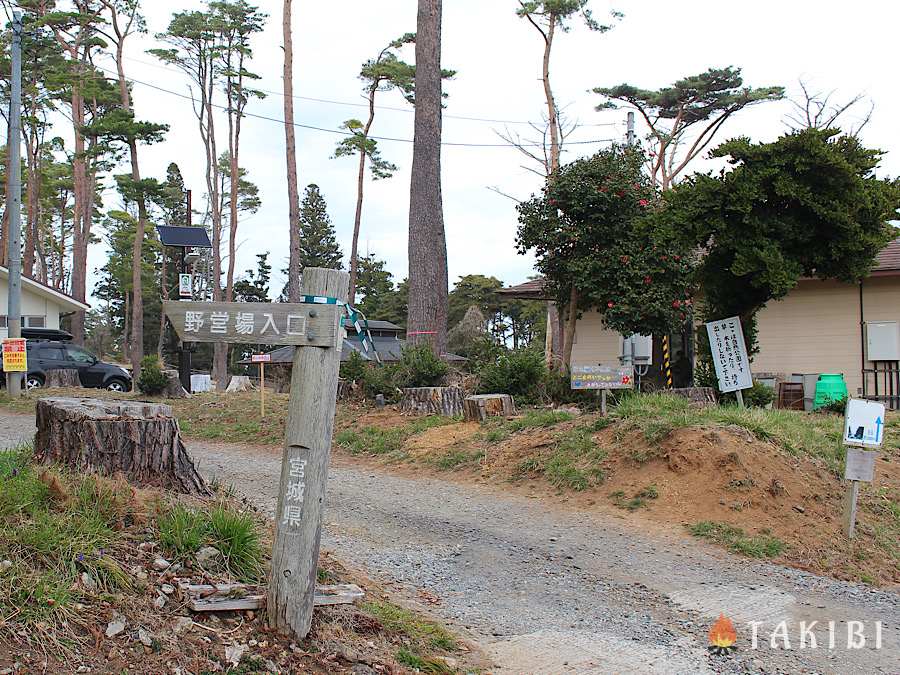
[[374, 285], [318, 241]]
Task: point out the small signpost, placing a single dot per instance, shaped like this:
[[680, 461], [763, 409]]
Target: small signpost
[[262, 360], [603, 378], [15, 355], [316, 331], [729, 353], [863, 428]]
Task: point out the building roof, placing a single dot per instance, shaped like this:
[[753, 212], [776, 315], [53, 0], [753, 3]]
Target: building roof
[[887, 263], [374, 324], [66, 302]]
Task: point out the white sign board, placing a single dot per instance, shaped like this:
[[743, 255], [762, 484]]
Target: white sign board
[[863, 423], [602, 377], [260, 358], [729, 353], [185, 285], [860, 465]]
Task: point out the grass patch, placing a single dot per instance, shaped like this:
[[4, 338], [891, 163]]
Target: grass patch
[[381, 441], [421, 664], [637, 501], [184, 531], [658, 415], [498, 429], [56, 526], [457, 458], [572, 463], [423, 635], [762, 545]]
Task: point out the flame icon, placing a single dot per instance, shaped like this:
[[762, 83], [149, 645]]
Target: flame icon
[[722, 635]]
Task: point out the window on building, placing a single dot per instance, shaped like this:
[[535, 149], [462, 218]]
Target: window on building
[[33, 322], [3, 321]]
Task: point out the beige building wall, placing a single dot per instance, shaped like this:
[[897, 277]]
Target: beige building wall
[[594, 343], [816, 328], [32, 305]]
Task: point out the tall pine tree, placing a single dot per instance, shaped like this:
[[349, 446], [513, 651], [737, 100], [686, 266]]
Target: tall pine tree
[[318, 241]]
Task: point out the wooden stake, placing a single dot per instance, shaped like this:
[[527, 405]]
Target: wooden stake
[[603, 402], [304, 468], [262, 388], [740, 398], [852, 502]]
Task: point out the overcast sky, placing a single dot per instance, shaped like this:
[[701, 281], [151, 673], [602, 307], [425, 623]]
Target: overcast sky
[[831, 45]]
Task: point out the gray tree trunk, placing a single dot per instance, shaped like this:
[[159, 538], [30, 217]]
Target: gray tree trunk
[[427, 318]]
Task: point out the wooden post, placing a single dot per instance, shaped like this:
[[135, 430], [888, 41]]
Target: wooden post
[[603, 402], [852, 504], [740, 397], [262, 388], [304, 467]]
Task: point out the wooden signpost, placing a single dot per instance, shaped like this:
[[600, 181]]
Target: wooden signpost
[[863, 428], [317, 332], [262, 360]]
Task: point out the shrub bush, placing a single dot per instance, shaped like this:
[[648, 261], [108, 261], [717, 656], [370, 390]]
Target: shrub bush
[[354, 368], [757, 396], [152, 380], [520, 373], [380, 380], [420, 367]]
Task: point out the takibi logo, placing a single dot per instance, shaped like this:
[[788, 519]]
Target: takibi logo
[[722, 636]]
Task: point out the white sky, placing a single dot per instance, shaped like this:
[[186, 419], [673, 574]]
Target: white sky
[[831, 45]]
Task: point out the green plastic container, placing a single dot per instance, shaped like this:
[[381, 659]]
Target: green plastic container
[[830, 387]]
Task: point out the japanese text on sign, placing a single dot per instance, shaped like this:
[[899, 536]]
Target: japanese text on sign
[[259, 323], [729, 353], [292, 512], [602, 377], [15, 355]]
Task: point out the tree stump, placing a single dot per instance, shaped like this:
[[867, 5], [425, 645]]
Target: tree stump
[[137, 439], [239, 383], [478, 408], [62, 378], [432, 401], [174, 388]]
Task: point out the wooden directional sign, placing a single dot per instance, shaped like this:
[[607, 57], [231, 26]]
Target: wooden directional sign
[[272, 323]]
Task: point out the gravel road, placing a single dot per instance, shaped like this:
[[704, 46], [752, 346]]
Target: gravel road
[[545, 590]]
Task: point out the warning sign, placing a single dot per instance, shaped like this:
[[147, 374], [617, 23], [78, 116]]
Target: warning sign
[[15, 358]]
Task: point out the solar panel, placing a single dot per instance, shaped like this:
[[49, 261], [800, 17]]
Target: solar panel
[[183, 237]]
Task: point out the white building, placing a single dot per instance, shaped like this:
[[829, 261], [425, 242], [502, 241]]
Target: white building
[[42, 306]]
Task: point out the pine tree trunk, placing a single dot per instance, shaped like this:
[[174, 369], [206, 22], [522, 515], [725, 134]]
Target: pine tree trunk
[[427, 317], [80, 214], [136, 439], [552, 114], [569, 331], [290, 151]]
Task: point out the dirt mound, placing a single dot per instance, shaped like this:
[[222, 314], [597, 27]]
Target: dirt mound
[[439, 439]]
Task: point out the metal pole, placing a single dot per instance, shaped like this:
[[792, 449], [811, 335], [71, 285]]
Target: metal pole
[[14, 201], [629, 120], [184, 365]]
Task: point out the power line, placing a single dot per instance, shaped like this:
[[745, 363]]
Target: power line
[[346, 133], [466, 118]]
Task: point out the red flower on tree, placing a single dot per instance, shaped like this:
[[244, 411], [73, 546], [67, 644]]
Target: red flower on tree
[[643, 202], [610, 304], [676, 304], [648, 280]]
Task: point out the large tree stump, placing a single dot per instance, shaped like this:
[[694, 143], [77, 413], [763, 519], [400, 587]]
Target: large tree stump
[[174, 388], [62, 378], [139, 440], [478, 408], [238, 383], [432, 401], [701, 396]]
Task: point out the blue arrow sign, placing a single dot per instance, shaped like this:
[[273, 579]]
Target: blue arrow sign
[[878, 425]]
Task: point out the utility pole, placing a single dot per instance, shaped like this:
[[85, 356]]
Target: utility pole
[[14, 201], [629, 122]]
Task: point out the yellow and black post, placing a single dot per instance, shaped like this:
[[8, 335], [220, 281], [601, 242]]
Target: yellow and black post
[[667, 361]]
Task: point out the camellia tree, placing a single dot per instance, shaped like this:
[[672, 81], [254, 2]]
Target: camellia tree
[[807, 205], [598, 249]]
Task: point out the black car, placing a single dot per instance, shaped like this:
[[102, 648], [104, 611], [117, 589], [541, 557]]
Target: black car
[[44, 355]]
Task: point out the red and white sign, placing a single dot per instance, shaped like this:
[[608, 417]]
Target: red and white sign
[[15, 356], [260, 358]]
